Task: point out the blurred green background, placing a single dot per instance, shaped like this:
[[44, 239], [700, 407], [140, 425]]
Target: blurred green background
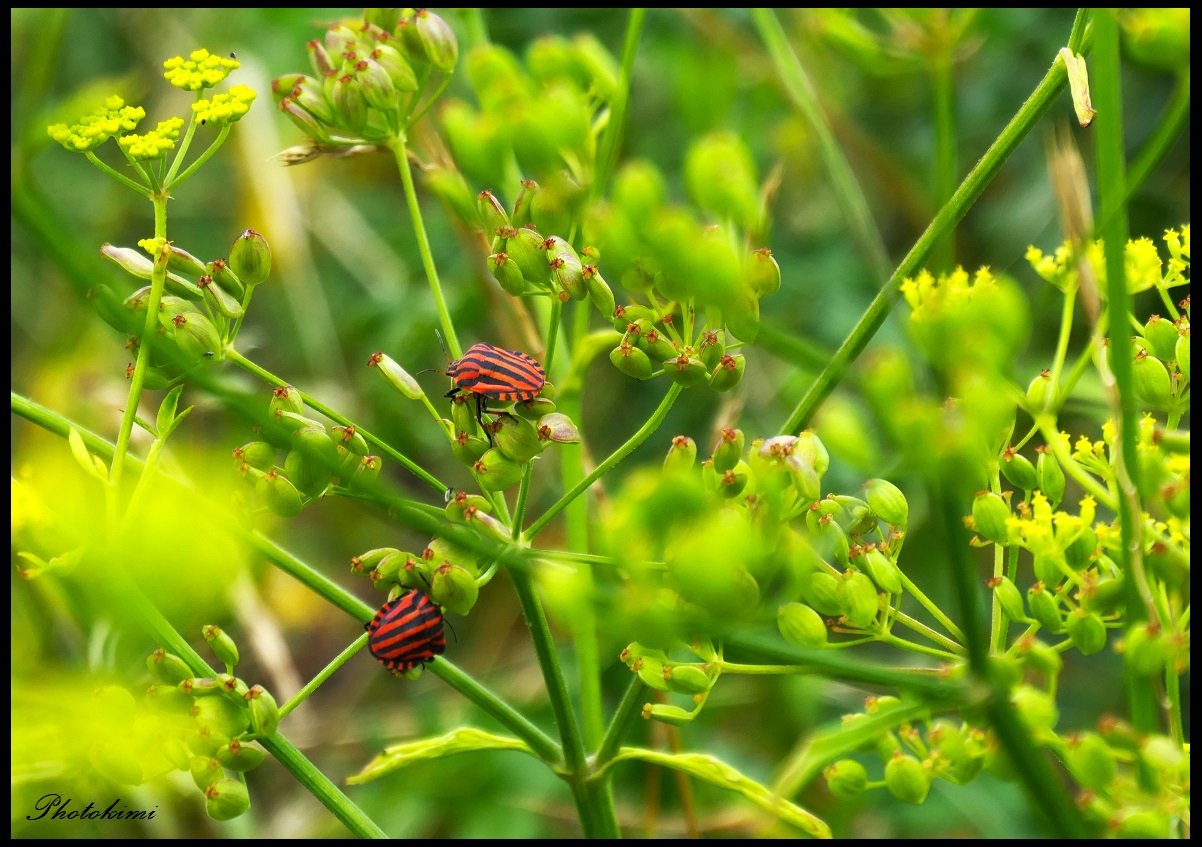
[[347, 282]]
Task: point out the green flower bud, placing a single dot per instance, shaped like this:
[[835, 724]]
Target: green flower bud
[[525, 249], [517, 439], [711, 347], [685, 370], [396, 66], [568, 274], [312, 461], [742, 315], [656, 346], [989, 515], [205, 771], [240, 757], [1146, 649], [454, 588], [197, 337], [264, 714], [859, 597], [651, 672], [887, 501], [285, 399], [221, 273], [732, 482], [183, 262], [728, 373], [310, 96], [665, 713], [220, 715], [279, 495], [631, 361], [846, 779], [257, 454], [1018, 471], [1152, 383], [282, 86], [1161, 336], [801, 625], [521, 205], [250, 258], [1086, 631], [345, 94], [1009, 598], [226, 799], [1182, 351], [167, 667], [1090, 761], [762, 273], [232, 686], [686, 679], [1050, 477], [438, 43], [497, 471], [221, 644], [396, 376], [883, 570], [557, 427], [468, 449], [376, 84], [907, 779], [682, 455], [197, 686], [599, 292], [1040, 392], [304, 121], [854, 515], [830, 540], [462, 501], [729, 451], [368, 470], [821, 591], [1045, 609], [506, 273]]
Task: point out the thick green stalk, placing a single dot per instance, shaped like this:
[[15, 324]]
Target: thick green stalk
[[943, 96], [618, 108], [626, 712], [324, 674], [969, 191], [423, 246]]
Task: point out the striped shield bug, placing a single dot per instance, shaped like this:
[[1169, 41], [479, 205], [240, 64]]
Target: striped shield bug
[[406, 632], [495, 374]]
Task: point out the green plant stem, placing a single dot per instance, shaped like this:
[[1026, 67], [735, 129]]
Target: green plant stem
[[246, 364], [931, 607], [326, 672], [1168, 128], [120, 177], [201, 159], [943, 97], [764, 670], [618, 455], [1112, 192], [630, 706], [423, 245], [969, 191], [620, 104], [924, 630], [519, 510], [847, 189], [902, 644], [1066, 329]]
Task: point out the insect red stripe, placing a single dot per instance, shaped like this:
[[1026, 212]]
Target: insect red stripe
[[407, 632]]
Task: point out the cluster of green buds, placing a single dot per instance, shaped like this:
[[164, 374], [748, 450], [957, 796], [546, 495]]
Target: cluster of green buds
[[694, 677], [365, 88], [912, 754], [212, 722], [498, 444], [202, 306], [451, 575], [315, 457]]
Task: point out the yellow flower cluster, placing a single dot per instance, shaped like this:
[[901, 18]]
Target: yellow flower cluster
[[926, 294], [1141, 260], [226, 108], [109, 119], [199, 71], [153, 144]]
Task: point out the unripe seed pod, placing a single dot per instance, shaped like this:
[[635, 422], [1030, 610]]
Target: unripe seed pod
[[506, 273], [729, 451], [568, 274], [711, 348], [1045, 609], [198, 338], [387, 572], [468, 449], [599, 292], [396, 66], [264, 714], [285, 399], [396, 376], [1050, 568], [1161, 336], [205, 771], [521, 205], [167, 667], [221, 644], [1152, 383], [686, 679], [846, 779], [822, 592], [454, 588], [686, 370], [557, 427], [279, 494], [1086, 631], [682, 455], [884, 571], [226, 799], [656, 345], [812, 451], [376, 84], [439, 46], [250, 258], [109, 307], [859, 597], [651, 672], [183, 262], [220, 715], [887, 502], [232, 686], [631, 361], [762, 273], [282, 86], [198, 686], [525, 249], [1038, 656], [801, 625], [1182, 352], [1146, 650], [1144, 824], [517, 439], [856, 518], [462, 501], [168, 698], [1050, 477], [732, 482], [1040, 392], [1090, 761], [831, 540], [492, 213], [666, 713], [1036, 709], [258, 454], [989, 515], [907, 779], [462, 415], [497, 471], [1009, 598], [223, 275], [1018, 471], [240, 757], [415, 571], [728, 373], [350, 106]]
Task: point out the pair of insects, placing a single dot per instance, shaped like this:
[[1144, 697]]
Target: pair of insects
[[408, 631]]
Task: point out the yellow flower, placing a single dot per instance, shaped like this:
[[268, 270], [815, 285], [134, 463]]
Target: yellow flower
[[95, 128], [153, 144], [199, 71], [224, 109]]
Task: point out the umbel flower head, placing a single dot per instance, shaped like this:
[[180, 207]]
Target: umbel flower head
[[109, 119], [153, 144], [224, 109], [199, 71]]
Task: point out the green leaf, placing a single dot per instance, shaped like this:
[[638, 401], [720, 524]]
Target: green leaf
[[91, 465], [166, 414], [719, 773], [463, 740]]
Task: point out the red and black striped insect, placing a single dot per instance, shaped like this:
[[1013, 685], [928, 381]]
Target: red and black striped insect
[[495, 374], [406, 632]]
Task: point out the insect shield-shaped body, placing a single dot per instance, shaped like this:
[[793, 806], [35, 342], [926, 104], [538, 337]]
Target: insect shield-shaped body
[[495, 374], [406, 632]]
